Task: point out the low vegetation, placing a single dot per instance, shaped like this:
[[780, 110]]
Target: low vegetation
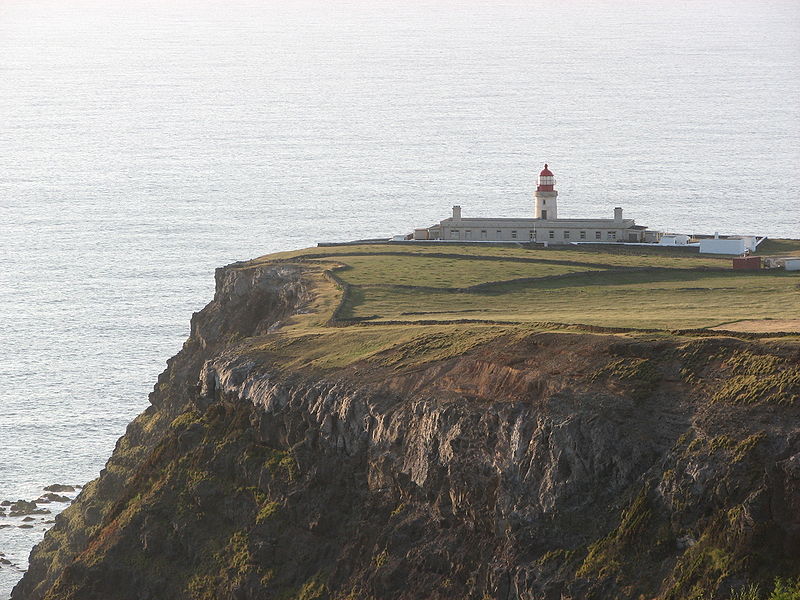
[[779, 248], [782, 590], [428, 302]]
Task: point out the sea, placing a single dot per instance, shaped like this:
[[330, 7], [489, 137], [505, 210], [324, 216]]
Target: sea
[[144, 143]]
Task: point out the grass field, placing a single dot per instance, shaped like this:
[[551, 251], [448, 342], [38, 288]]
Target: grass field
[[779, 248], [403, 296], [664, 300], [608, 256], [415, 270]]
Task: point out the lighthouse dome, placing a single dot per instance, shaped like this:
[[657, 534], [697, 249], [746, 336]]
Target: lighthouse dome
[[546, 181]]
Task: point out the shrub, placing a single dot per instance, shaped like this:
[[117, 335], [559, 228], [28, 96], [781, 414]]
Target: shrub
[[786, 589], [267, 512], [381, 559], [746, 593]]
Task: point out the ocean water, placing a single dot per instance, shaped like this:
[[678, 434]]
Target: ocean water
[[144, 143]]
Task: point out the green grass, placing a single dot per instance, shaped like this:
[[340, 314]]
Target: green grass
[[390, 345], [419, 270], [395, 292], [779, 247], [634, 256], [676, 300]]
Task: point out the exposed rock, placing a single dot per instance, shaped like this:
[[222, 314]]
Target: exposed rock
[[532, 467], [26, 526], [23, 507], [59, 487], [51, 497]]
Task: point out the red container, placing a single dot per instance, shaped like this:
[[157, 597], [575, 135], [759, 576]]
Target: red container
[[747, 263]]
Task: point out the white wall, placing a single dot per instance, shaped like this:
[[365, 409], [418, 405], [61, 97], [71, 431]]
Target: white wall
[[717, 246], [792, 264], [674, 240]]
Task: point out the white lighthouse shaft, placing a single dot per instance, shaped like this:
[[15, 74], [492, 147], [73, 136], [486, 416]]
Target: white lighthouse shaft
[[545, 196]]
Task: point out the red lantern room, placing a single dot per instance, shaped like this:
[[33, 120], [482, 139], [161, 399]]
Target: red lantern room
[[546, 180]]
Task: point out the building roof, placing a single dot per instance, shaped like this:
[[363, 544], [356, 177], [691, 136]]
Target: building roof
[[546, 172]]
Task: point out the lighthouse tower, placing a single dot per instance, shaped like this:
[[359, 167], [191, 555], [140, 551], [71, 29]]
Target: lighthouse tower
[[545, 196]]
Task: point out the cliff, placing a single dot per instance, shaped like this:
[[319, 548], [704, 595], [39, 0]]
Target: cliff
[[453, 461]]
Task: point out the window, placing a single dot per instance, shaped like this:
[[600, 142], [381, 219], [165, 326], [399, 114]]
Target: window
[[612, 235], [544, 202], [454, 234], [513, 235], [566, 235], [597, 235], [499, 234], [551, 234], [583, 235], [468, 234]]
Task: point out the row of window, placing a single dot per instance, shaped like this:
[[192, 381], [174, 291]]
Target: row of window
[[598, 235], [551, 234]]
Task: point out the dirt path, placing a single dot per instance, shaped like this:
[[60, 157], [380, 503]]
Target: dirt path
[[762, 325]]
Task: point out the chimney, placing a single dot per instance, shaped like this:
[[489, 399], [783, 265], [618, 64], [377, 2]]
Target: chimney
[[457, 213], [618, 214]]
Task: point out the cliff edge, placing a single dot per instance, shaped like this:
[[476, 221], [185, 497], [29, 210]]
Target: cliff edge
[[291, 454]]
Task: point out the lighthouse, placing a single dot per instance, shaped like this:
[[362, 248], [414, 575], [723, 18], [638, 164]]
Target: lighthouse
[[545, 226], [546, 206]]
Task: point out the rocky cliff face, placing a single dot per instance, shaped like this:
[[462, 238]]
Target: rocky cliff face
[[539, 465]]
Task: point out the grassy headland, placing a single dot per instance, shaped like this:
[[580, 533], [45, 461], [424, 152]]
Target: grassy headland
[[442, 299], [365, 411]]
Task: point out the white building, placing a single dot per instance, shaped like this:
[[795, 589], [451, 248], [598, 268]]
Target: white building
[[545, 226], [735, 245], [674, 239], [792, 264]]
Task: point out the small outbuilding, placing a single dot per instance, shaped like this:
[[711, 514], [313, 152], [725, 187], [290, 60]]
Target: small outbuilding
[[673, 239], [736, 245], [747, 263], [722, 246]]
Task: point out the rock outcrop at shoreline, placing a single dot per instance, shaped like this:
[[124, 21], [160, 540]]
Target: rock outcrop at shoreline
[[539, 465]]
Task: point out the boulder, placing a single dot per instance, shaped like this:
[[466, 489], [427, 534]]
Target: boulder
[[51, 497], [59, 487], [22, 507]]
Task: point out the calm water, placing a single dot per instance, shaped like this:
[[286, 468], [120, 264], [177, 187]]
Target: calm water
[[142, 144]]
